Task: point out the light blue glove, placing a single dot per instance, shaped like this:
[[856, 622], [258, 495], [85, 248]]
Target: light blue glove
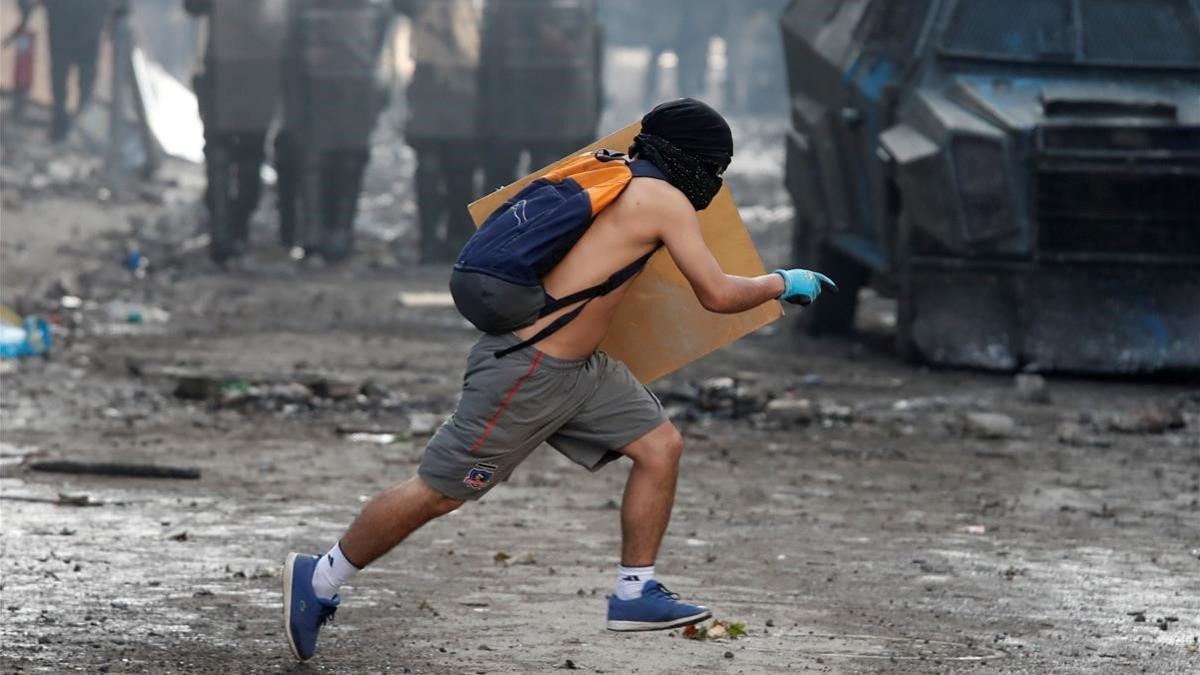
[[801, 287]]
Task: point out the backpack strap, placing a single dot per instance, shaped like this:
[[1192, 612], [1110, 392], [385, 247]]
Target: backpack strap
[[585, 296], [555, 326], [604, 288]]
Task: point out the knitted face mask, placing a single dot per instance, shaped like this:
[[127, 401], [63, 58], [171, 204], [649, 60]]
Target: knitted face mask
[[697, 179]]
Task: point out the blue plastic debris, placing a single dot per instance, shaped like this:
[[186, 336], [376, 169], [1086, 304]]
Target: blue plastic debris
[[31, 338]]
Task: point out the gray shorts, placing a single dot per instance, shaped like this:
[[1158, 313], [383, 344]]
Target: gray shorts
[[587, 409]]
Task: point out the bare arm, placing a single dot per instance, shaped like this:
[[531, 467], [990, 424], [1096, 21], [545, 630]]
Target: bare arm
[[717, 291]]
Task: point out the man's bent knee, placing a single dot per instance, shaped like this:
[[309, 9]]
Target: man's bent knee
[[662, 447], [437, 503]]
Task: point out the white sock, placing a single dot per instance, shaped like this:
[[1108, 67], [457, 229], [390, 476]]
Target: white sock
[[332, 571], [631, 579]]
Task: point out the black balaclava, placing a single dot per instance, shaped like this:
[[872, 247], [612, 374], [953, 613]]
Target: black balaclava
[[690, 143]]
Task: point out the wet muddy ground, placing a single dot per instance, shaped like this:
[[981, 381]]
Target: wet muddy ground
[[856, 513]]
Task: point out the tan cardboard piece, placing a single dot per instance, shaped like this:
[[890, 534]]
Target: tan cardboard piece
[[660, 326]]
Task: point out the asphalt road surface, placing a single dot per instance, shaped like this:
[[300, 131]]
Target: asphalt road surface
[[854, 512]]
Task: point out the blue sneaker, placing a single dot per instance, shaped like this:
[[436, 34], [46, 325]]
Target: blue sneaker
[[303, 612], [657, 609]]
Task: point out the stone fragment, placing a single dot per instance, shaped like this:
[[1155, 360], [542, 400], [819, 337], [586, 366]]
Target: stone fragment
[[989, 425], [1149, 419], [791, 411], [1032, 388]]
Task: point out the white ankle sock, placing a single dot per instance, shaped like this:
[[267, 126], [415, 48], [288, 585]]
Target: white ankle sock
[[631, 579], [332, 571]]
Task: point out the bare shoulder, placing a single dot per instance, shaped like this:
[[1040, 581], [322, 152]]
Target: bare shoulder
[[654, 199]]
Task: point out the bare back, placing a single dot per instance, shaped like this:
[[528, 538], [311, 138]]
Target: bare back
[[622, 233]]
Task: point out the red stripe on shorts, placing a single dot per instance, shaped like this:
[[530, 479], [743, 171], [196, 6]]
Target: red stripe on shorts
[[512, 392]]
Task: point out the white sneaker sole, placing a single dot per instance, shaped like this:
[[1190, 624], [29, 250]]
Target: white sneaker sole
[[631, 626], [287, 602]]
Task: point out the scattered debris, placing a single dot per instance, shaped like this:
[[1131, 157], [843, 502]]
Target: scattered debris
[[973, 529], [63, 499], [81, 499], [24, 338], [196, 387], [423, 423], [1150, 419], [115, 469], [136, 313], [334, 389], [1073, 433], [229, 390], [135, 261], [715, 630], [1032, 388], [989, 425], [380, 439], [832, 412], [1011, 572], [791, 411], [425, 299], [729, 397]]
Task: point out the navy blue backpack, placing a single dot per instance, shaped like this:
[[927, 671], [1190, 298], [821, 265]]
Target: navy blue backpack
[[497, 280]]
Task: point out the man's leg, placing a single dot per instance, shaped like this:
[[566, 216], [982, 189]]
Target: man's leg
[[390, 517], [640, 602], [310, 584], [649, 494], [60, 68], [622, 417], [473, 451], [249, 155], [430, 200], [85, 64]]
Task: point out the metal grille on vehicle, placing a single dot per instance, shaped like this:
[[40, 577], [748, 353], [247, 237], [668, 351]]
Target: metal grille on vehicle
[[1111, 210]]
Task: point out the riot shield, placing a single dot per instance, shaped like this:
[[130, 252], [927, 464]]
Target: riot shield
[[332, 98], [540, 69], [333, 57], [443, 92], [243, 63]]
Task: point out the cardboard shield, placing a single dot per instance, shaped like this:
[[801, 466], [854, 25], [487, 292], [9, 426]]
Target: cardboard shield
[[660, 326]]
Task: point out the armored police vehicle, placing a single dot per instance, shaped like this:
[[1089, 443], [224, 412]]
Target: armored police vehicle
[[1022, 175]]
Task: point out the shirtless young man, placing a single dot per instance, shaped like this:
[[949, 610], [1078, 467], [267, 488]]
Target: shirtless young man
[[565, 393]]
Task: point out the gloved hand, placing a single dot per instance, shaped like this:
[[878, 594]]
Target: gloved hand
[[801, 287]]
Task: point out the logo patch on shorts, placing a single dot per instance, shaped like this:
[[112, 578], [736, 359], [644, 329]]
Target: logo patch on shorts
[[480, 475]]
